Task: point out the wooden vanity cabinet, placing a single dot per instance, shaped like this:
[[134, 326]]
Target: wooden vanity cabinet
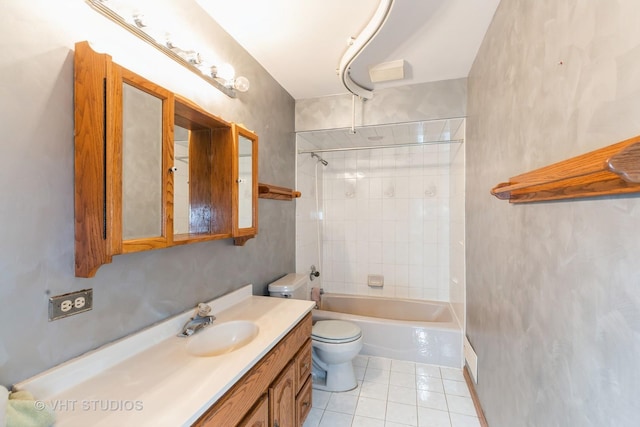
[[259, 415], [275, 381]]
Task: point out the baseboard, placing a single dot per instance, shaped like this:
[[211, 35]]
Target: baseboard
[[474, 397]]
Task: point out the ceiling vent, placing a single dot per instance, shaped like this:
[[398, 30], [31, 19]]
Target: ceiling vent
[[387, 71]]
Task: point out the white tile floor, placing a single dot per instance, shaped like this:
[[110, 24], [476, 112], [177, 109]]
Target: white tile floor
[[396, 393]]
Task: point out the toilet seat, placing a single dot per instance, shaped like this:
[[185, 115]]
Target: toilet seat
[[335, 331]]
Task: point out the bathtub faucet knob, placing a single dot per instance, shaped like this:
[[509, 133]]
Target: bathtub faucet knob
[[314, 273]]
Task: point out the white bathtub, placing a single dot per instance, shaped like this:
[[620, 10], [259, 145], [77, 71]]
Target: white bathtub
[[419, 331]]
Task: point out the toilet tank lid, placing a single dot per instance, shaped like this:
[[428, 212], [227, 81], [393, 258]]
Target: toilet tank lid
[[289, 283]]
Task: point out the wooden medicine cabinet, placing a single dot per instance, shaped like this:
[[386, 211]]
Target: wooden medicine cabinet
[[152, 169]]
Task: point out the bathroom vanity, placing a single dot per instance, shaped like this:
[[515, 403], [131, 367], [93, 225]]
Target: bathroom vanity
[[151, 379], [275, 392]]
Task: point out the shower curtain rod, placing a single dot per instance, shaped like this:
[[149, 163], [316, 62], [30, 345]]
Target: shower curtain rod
[[374, 147]]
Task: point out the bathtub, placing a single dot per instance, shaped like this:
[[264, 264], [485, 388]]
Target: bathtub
[[414, 330]]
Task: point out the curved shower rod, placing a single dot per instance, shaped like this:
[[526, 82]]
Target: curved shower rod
[[358, 45]]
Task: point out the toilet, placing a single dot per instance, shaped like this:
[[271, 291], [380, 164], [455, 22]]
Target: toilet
[[334, 342]]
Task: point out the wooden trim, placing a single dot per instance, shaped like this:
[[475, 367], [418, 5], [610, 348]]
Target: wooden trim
[[474, 397], [92, 242], [607, 171], [241, 240]]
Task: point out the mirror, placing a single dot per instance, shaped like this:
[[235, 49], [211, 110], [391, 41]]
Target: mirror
[[181, 180], [142, 151], [245, 195], [245, 182]]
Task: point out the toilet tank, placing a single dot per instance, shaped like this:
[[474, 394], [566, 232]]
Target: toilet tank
[[293, 285]]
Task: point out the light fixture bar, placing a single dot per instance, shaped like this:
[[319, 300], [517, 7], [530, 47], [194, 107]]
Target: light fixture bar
[[104, 10]]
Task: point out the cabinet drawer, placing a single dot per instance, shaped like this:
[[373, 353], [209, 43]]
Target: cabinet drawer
[[303, 365], [303, 402], [259, 415]]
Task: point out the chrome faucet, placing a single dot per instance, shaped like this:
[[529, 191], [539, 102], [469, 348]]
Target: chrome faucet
[[201, 320]]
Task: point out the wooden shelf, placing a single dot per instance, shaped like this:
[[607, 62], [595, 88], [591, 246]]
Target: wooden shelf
[[267, 191], [608, 171]]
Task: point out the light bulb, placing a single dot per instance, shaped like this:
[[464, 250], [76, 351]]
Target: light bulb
[[241, 84], [226, 72]]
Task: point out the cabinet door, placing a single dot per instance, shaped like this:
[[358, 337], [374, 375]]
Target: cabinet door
[[245, 194], [282, 399], [123, 153], [259, 415], [142, 157]]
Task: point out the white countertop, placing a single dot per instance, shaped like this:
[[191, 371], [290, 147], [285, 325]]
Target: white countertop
[[148, 379]]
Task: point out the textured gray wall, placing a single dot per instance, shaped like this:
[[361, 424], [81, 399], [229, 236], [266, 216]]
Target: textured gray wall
[[36, 182], [426, 101], [553, 289]]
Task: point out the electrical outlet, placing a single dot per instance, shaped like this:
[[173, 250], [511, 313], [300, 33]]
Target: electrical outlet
[[69, 304]]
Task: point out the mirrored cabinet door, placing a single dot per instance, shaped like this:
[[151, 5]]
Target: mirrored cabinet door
[[123, 200], [143, 157], [246, 184], [141, 164]]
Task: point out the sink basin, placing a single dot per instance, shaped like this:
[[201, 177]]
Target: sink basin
[[222, 338]]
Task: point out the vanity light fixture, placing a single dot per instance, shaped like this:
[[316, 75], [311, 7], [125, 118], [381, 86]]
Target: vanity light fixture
[[220, 75]]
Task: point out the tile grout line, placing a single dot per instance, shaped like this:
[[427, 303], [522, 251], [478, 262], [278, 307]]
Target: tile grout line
[[388, 383]]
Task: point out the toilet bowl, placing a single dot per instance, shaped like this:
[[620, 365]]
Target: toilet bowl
[[334, 345], [334, 342]]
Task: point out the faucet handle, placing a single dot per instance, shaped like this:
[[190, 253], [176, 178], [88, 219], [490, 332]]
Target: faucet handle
[[203, 309]]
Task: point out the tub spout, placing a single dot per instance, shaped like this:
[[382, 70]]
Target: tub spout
[[316, 295]]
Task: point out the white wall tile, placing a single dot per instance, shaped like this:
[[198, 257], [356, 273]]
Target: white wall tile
[[386, 212]]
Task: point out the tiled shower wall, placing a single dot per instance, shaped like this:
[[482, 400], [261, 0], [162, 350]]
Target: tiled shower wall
[[386, 211]]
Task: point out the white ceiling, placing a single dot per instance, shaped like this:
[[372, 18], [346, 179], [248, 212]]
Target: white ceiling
[[300, 42]]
